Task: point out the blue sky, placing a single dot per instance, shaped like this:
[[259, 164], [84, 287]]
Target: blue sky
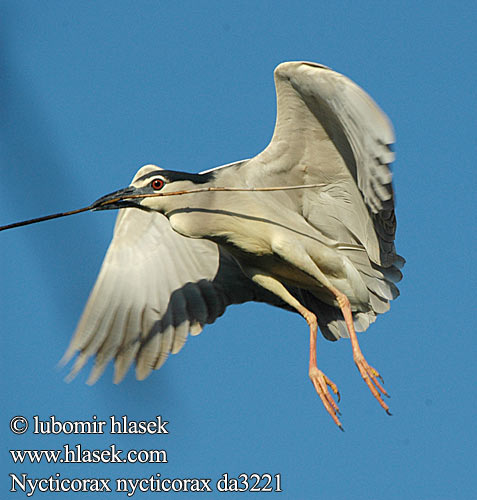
[[90, 91]]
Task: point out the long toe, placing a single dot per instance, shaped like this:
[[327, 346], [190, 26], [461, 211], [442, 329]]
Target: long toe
[[373, 380], [321, 383]]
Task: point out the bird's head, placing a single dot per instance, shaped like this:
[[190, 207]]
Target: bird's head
[[148, 182]]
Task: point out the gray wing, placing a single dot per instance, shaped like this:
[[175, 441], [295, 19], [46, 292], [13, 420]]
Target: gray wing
[[154, 287], [330, 131]]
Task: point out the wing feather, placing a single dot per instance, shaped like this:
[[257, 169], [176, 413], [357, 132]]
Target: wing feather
[[330, 131], [154, 288]]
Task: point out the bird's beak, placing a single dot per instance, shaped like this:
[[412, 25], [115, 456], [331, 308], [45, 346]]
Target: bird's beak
[[118, 199]]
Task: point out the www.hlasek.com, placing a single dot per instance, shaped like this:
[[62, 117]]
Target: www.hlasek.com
[[75, 453]]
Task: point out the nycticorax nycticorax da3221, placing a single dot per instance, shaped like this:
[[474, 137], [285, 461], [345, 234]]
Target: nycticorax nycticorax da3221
[[176, 262]]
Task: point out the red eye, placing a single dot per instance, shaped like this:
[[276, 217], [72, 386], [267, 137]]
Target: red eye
[[157, 184]]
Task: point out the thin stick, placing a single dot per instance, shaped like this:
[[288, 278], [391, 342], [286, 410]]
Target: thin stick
[[46, 217], [208, 189], [94, 206]]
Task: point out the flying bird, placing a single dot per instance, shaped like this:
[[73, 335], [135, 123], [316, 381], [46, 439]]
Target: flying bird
[[324, 248]]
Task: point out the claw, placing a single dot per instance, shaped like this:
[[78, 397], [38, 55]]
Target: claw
[[377, 374]]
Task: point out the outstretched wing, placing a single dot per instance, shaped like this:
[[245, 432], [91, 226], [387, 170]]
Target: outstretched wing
[[154, 287], [330, 131]]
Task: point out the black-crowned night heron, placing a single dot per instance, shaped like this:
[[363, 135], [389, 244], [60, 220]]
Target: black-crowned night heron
[[326, 252]]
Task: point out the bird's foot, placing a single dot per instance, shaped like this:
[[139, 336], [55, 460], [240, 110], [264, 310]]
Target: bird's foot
[[373, 380], [321, 383]]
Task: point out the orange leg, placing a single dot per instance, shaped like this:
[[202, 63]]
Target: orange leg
[[370, 375], [320, 381]]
